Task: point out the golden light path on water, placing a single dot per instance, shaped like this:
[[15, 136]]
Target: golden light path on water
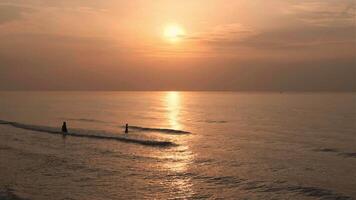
[[173, 109], [179, 159]]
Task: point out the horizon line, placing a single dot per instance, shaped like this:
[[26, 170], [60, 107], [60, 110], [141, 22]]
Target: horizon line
[[247, 91]]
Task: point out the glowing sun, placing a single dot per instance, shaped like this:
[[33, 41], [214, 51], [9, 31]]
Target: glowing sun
[[173, 33]]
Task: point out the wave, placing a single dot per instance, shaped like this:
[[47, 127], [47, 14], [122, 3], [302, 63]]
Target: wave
[[348, 154], [9, 194], [84, 120], [337, 152], [272, 187], [4, 122], [52, 130], [257, 186], [161, 130], [327, 150], [216, 121]]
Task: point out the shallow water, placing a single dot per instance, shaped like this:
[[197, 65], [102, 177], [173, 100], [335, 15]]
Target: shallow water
[[222, 145]]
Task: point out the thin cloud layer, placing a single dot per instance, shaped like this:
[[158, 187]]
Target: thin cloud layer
[[228, 45], [10, 13], [325, 13]]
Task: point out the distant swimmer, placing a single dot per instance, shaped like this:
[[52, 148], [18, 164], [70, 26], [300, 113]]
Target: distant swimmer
[[127, 128], [64, 127]]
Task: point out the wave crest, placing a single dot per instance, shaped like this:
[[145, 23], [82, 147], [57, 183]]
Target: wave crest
[[53, 130], [161, 130]]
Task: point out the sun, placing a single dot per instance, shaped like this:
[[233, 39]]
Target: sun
[[173, 33]]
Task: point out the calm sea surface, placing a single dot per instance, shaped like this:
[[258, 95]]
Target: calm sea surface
[[180, 145]]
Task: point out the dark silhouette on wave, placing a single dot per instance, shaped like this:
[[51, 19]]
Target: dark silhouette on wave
[[127, 128], [53, 130], [161, 130], [64, 127]]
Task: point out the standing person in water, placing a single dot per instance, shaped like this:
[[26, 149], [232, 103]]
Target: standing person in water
[[127, 128], [64, 128]]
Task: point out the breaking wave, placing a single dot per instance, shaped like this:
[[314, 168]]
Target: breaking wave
[[52, 130]]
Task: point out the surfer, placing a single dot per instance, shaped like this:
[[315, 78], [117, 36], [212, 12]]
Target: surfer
[[127, 128], [64, 128]]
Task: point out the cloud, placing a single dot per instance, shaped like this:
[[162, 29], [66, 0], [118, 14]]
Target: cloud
[[84, 6], [9, 13], [325, 13], [311, 25], [297, 38], [226, 33], [47, 46], [232, 38]]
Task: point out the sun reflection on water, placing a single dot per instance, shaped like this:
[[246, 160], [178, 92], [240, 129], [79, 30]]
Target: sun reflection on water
[[173, 109], [177, 161], [177, 165]]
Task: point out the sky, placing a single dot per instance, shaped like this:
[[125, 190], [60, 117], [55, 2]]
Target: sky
[[227, 45]]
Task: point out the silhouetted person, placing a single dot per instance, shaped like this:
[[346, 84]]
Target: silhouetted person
[[64, 128], [127, 128]]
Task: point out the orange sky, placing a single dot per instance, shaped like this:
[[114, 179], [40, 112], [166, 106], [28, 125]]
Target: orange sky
[[227, 45]]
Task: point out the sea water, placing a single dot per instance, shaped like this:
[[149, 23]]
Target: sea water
[[180, 145]]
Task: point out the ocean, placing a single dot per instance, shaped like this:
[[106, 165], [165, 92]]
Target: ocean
[[180, 145]]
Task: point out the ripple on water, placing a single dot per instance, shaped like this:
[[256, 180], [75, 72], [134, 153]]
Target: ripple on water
[[338, 152], [9, 194]]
